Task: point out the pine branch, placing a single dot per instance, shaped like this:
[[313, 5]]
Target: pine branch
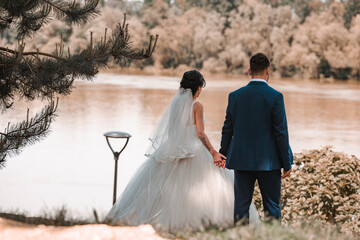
[[120, 42], [30, 15], [5, 19], [74, 12], [44, 76], [31, 77], [31, 53], [27, 132]]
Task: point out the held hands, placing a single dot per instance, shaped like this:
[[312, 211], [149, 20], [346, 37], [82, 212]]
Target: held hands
[[219, 160], [286, 173]]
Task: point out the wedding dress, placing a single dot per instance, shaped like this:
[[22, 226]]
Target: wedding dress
[[178, 188]]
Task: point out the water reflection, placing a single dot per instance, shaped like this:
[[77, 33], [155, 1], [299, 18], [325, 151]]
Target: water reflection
[[74, 166]]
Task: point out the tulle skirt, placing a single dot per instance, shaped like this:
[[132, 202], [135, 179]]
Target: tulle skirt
[[184, 195]]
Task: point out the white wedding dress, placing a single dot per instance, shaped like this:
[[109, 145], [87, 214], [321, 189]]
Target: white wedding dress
[[178, 188]]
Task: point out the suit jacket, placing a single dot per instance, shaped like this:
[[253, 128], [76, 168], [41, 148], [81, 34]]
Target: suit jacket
[[255, 134]]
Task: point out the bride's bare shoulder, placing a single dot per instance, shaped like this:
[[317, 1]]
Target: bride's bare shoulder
[[198, 106]]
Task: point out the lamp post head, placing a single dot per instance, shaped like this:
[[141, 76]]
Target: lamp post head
[[114, 134], [117, 135]]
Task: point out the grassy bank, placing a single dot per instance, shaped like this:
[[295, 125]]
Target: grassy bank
[[61, 216], [273, 231]]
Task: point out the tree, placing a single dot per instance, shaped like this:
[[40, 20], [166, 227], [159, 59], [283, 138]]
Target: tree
[[221, 6], [352, 8], [36, 75], [302, 8], [319, 45], [155, 12]]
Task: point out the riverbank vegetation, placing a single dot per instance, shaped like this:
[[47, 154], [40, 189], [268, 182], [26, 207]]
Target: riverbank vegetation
[[304, 39]]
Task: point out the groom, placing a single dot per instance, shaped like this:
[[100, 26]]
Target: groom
[[255, 141]]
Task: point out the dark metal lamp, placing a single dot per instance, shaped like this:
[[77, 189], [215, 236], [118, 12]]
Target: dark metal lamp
[[123, 135]]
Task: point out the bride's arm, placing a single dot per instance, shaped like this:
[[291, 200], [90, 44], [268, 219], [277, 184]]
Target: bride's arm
[[200, 128]]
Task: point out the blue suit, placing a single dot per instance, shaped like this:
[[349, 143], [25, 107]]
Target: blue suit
[[256, 143]]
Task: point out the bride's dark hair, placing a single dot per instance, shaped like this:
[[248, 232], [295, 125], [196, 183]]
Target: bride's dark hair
[[192, 80]]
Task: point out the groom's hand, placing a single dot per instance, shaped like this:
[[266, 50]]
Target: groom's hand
[[219, 160], [286, 173], [222, 165]]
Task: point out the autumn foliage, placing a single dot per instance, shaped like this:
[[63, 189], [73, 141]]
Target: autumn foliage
[[304, 39]]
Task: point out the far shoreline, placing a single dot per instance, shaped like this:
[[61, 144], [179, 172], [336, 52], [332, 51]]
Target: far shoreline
[[152, 71]]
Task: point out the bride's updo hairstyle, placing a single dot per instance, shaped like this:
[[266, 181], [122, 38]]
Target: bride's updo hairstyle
[[192, 80]]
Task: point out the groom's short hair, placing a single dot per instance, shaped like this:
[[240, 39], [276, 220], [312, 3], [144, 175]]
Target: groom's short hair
[[258, 63]]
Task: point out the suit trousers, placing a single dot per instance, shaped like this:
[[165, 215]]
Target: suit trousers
[[270, 188]]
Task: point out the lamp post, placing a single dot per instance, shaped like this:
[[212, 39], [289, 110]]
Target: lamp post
[[116, 154]]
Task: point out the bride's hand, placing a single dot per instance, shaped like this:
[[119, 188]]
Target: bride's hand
[[219, 159]]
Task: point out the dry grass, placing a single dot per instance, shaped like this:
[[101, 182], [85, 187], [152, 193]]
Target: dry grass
[[273, 231], [58, 217]]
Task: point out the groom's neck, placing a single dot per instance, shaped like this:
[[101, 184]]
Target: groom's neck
[[259, 77]]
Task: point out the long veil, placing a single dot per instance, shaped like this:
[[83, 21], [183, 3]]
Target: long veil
[[173, 137]]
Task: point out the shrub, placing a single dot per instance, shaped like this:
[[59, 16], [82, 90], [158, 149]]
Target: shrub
[[324, 186]]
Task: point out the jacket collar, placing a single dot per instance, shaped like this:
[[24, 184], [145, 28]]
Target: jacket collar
[[257, 81]]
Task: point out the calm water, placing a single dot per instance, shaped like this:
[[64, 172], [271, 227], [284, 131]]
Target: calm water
[[73, 166]]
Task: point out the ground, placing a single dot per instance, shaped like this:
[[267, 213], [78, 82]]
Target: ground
[[11, 230]]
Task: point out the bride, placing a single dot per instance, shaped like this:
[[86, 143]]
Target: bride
[[179, 188]]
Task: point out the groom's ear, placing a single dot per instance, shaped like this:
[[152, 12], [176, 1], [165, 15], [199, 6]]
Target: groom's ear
[[249, 71]]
